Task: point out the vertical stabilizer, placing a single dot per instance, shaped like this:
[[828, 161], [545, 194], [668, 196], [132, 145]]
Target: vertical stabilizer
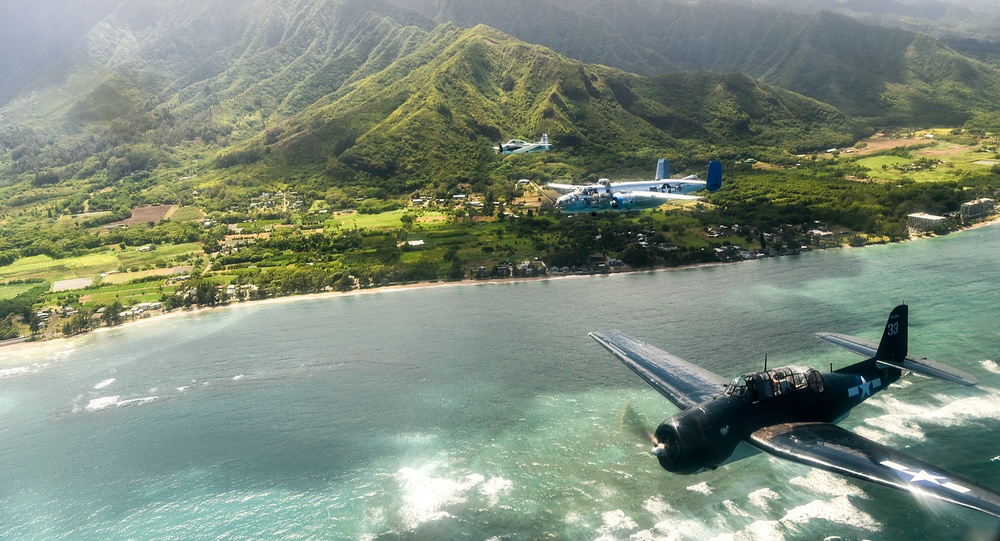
[[892, 348], [714, 181], [545, 139], [662, 169]]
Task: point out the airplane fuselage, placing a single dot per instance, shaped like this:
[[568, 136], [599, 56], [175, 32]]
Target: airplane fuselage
[[709, 434], [622, 195]]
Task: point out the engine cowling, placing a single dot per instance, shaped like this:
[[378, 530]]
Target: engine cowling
[[695, 440], [621, 201]]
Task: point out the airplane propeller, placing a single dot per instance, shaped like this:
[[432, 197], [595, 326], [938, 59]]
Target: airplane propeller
[[637, 426]]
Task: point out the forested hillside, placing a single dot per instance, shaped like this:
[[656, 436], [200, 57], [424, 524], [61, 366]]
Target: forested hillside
[[893, 76], [350, 99], [203, 151]]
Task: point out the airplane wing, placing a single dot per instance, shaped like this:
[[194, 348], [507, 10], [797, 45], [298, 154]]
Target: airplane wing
[[682, 383], [831, 448], [921, 365], [563, 187], [663, 196]]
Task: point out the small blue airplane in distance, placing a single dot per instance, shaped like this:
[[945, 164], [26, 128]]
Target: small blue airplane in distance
[[635, 195], [518, 146]]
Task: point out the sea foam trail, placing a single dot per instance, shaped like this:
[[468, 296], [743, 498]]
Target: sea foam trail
[[115, 401]]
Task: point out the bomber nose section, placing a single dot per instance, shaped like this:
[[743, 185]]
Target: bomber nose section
[[565, 201]]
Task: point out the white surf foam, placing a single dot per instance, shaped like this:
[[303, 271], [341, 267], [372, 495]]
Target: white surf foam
[[839, 510], [495, 488], [761, 530], [426, 497], [826, 483], [762, 498], [16, 371], [892, 425], [104, 383], [701, 488], [672, 529], [957, 411], [615, 521], [733, 509], [657, 507], [990, 366], [115, 401]]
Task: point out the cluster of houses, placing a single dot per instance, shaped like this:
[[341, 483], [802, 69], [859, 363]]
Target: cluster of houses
[[276, 201], [506, 269]]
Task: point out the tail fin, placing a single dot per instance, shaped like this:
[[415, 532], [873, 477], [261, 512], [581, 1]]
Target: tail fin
[[662, 169], [714, 181], [545, 138], [892, 348]]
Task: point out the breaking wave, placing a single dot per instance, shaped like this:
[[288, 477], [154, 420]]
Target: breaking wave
[[115, 401]]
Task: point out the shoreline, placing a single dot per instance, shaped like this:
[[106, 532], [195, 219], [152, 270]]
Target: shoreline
[[20, 344]]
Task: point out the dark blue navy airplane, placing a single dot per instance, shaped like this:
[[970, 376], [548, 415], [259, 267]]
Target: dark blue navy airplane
[[790, 412]]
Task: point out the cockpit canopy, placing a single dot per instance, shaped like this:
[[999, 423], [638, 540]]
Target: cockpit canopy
[[771, 383]]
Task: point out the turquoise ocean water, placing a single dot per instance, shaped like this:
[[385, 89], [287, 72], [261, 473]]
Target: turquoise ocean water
[[485, 412]]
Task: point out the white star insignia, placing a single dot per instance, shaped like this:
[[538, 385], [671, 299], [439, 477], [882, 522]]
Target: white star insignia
[[924, 475]]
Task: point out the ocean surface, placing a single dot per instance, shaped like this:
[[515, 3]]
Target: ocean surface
[[484, 412]]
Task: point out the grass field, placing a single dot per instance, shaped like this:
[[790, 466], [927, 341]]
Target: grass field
[[43, 266], [875, 163], [52, 270], [9, 291], [955, 158], [127, 294], [425, 219]]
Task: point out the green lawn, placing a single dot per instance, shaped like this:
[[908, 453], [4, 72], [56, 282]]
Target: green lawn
[[127, 294], [12, 290], [875, 163], [52, 270], [385, 220]]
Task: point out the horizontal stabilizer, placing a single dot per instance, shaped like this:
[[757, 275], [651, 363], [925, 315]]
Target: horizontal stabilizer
[[918, 365]]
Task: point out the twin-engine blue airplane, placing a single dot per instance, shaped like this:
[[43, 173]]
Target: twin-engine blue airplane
[[635, 195], [790, 412]]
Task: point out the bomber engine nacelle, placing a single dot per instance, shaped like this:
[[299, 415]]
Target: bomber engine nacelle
[[696, 439], [620, 201]]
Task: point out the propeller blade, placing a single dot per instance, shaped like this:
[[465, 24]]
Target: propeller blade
[[634, 423]]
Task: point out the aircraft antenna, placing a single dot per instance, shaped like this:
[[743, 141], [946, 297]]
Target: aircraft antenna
[[765, 362]]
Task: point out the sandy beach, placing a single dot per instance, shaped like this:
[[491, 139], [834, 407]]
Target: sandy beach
[[13, 358]]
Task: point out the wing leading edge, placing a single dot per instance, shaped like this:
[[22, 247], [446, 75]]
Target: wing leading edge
[[829, 447], [681, 382]]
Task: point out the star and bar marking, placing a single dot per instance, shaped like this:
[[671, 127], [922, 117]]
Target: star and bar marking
[[921, 477], [864, 388]]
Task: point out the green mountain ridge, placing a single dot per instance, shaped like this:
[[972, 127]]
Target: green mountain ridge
[[333, 94], [432, 117], [890, 75]]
